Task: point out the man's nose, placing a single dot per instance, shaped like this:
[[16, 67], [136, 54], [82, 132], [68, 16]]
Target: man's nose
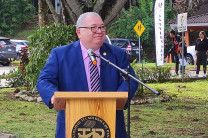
[[99, 30]]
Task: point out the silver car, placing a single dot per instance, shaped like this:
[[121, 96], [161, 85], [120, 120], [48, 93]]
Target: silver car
[[7, 51]]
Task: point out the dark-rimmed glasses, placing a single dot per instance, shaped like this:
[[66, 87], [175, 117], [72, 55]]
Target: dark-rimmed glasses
[[95, 29]]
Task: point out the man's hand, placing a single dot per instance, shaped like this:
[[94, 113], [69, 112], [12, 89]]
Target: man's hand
[[195, 54], [60, 103], [52, 99]]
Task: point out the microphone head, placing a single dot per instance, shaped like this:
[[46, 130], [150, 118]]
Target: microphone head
[[92, 56], [90, 52]]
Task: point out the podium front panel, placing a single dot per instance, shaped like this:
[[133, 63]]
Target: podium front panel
[[90, 114], [82, 115]]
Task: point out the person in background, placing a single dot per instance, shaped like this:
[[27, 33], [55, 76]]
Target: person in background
[[201, 50], [175, 45], [180, 55]]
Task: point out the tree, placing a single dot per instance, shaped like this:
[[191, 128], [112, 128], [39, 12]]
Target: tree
[[55, 15], [189, 6], [71, 9], [13, 14], [43, 13], [123, 27]]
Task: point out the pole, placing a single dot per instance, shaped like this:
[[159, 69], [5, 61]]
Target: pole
[[139, 51], [129, 102], [142, 90], [183, 57], [128, 74]]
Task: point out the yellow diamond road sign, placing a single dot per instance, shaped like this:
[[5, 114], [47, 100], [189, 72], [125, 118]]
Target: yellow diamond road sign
[[139, 28]]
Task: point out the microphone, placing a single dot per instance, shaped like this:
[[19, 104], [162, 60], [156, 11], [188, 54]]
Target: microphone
[[91, 54]]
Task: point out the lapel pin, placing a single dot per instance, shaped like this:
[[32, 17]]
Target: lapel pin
[[104, 54]]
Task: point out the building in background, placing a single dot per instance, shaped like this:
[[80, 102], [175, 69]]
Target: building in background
[[195, 24]]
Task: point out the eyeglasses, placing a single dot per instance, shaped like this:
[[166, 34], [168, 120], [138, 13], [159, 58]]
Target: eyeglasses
[[95, 29]]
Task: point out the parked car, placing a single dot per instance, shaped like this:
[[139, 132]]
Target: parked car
[[20, 42], [131, 47], [191, 55], [107, 40], [7, 51], [20, 45]]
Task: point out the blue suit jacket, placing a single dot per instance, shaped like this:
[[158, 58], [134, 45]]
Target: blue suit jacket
[[65, 71]]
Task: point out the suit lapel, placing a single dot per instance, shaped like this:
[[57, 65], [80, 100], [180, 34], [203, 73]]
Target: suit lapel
[[104, 67], [79, 66]]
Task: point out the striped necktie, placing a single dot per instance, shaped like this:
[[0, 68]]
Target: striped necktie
[[94, 78]]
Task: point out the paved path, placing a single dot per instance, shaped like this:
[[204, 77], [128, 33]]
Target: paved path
[[191, 73], [5, 70]]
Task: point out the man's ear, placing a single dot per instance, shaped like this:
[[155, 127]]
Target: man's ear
[[78, 33]]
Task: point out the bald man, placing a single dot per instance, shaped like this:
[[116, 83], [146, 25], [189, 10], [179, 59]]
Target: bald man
[[68, 68]]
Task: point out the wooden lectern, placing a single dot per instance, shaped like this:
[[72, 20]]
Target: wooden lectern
[[90, 109]]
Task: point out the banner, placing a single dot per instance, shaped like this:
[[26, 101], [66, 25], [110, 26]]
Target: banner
[[159, 30]]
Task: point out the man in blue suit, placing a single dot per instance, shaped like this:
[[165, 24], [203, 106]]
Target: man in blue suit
[[68, 69]]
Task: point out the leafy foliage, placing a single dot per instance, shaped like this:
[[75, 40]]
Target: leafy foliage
[[16, 78], [42, 42], [13, 13], [152, 74], [123, 27], [182, 7]]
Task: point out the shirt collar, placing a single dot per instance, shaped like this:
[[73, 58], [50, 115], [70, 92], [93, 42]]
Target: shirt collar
[[84, 51]]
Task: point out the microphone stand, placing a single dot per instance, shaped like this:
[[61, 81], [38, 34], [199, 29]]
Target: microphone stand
[[126, 75]]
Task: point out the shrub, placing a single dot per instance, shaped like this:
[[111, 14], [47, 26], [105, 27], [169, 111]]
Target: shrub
[[152, 74], [42, 42], [16, 78]]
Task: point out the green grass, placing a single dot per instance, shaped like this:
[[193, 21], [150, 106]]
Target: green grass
[[185, 116], [25, 119], [165, 64], [173, 119], [16, 61], [154, 64], [25, 33], [196, 90]]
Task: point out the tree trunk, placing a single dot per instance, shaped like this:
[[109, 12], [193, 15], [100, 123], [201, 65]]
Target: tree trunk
[[190, 4], [107, 9], [65, 15], [55, 15], [134, 2], [113, 11], [171, 3], [74, 8], [43, 13], [98, 6]]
